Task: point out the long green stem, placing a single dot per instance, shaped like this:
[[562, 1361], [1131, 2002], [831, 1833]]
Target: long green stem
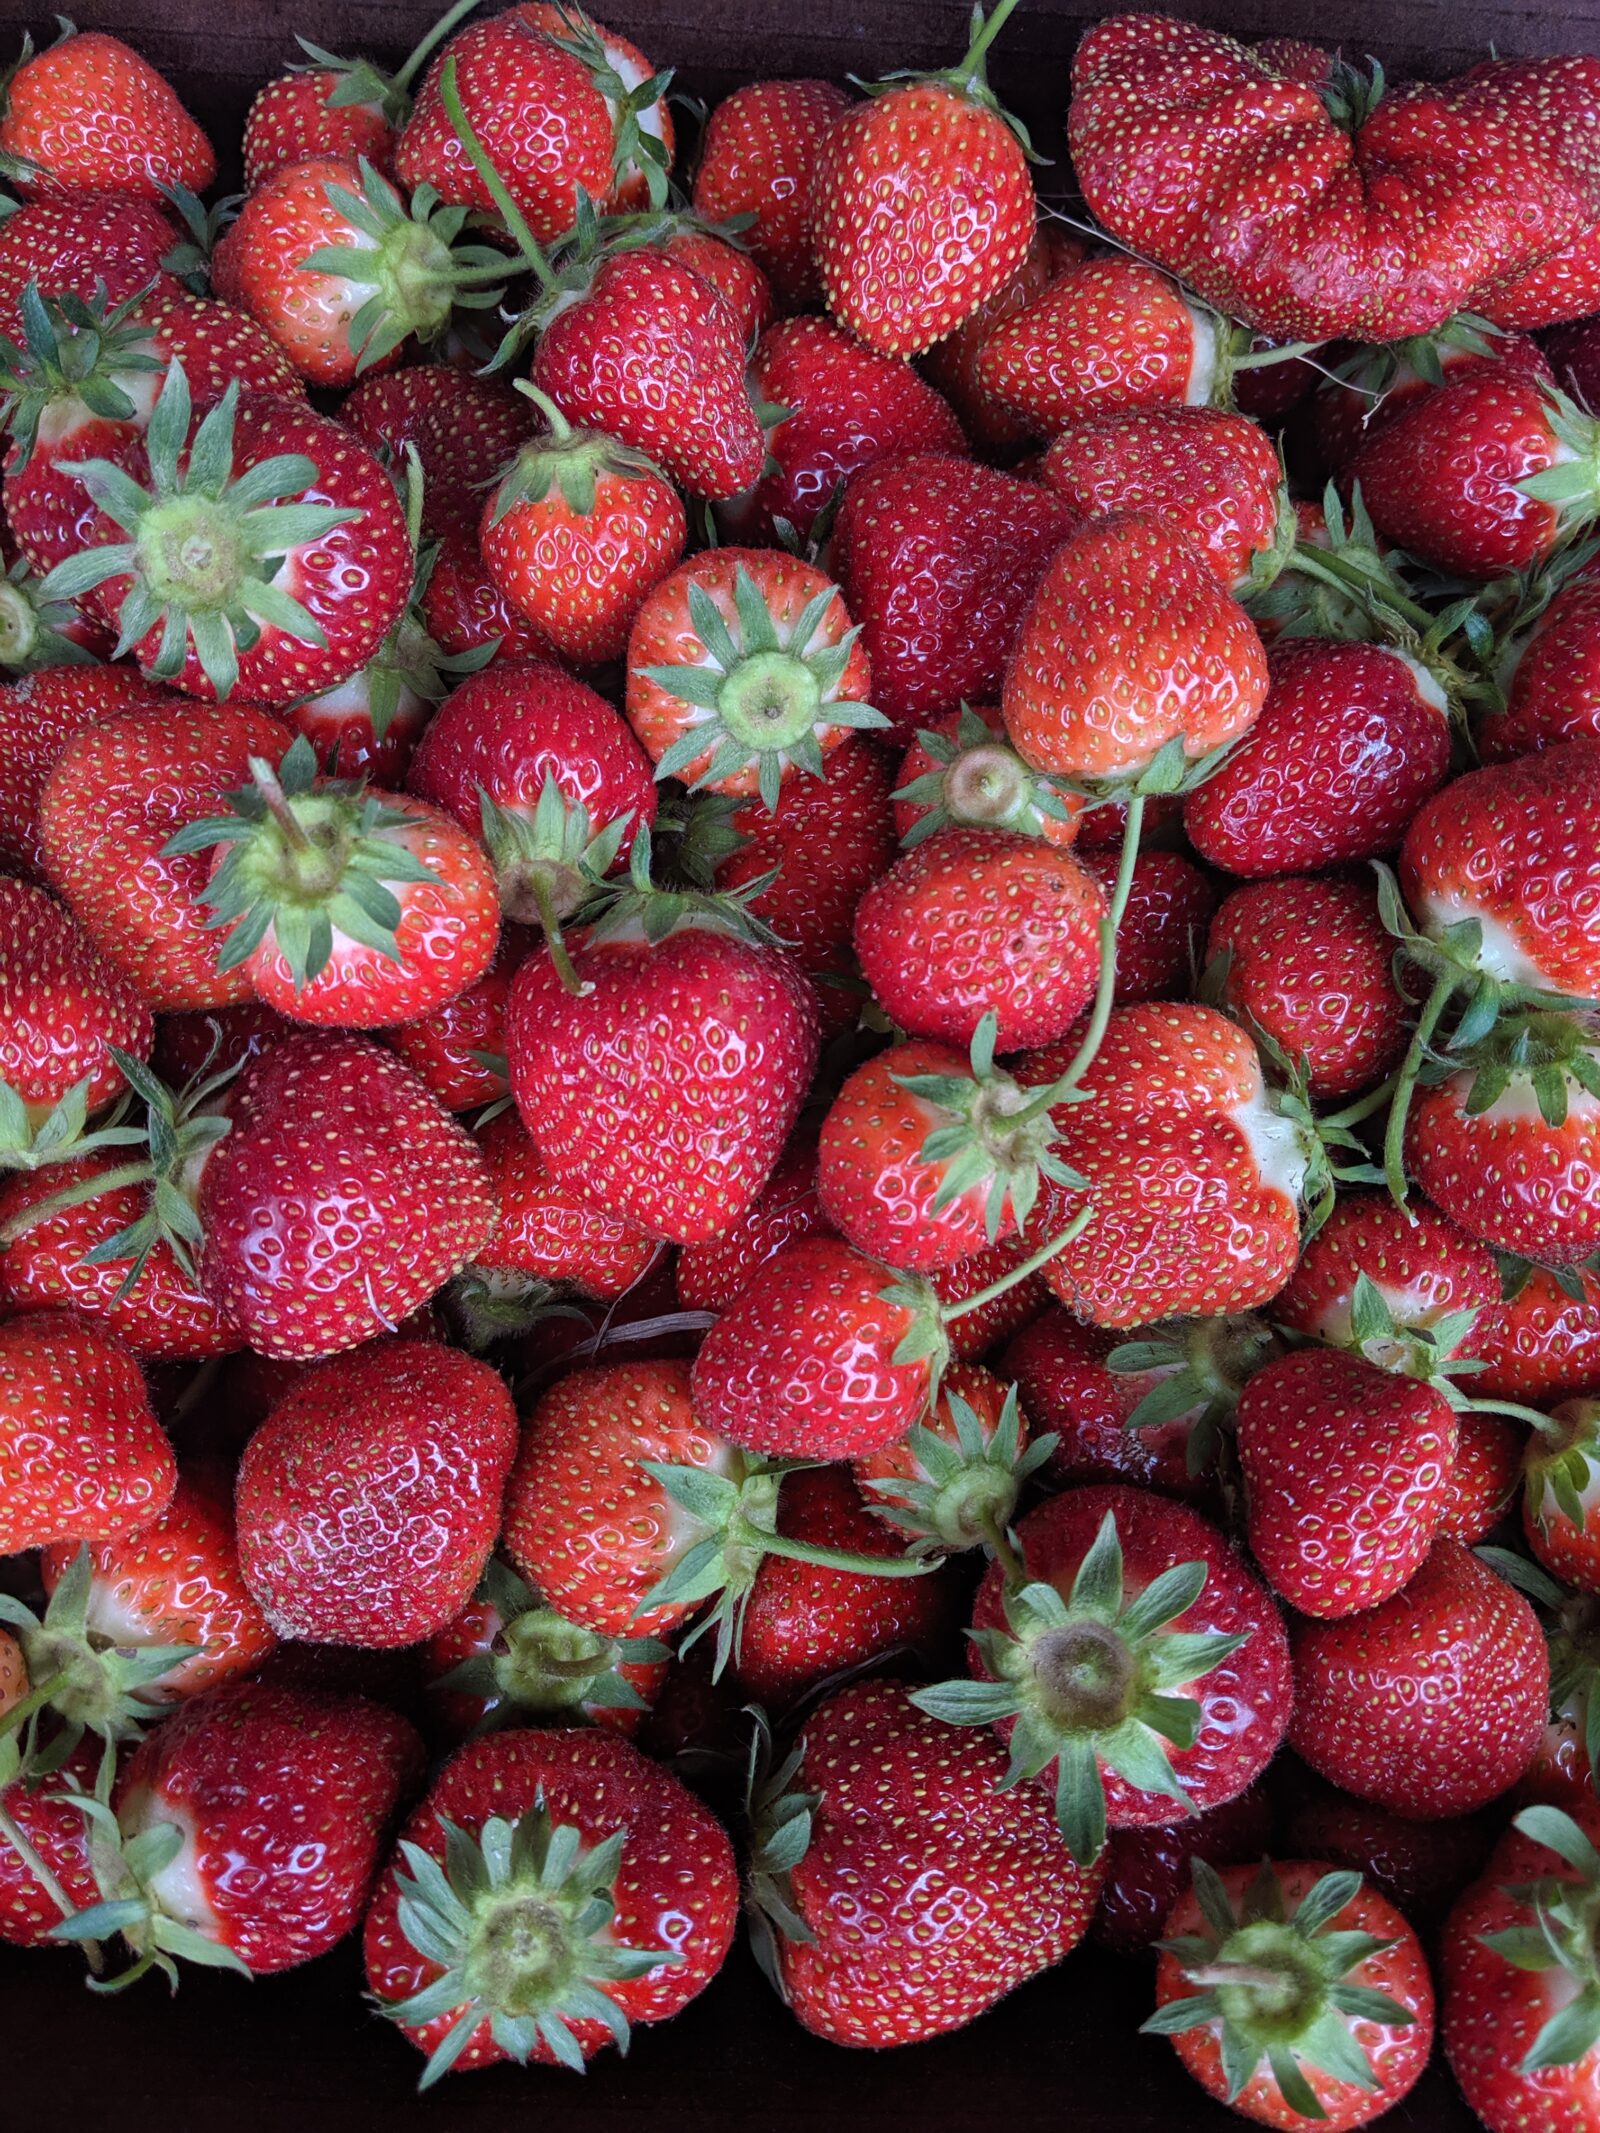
[[870, 1566], [431, 43], [971, 68], [1545, 1424], [1106, 985], [1031, 1265], [1364, 1107], [510, 214], [1005, 1555], [1331, 569], [1394, 1135], [1290, 351]]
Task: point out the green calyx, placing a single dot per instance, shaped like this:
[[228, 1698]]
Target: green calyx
[[969, 77], [780, 1823], [489, 1304], [1332, 1151], [203, 550], [1562, 1465], [1205, 1365], [31, 1142], [518, 1920], [965, 1493], [566, 462], [635, 148], [1278, 1986], [360, 82], [654, 909], [1350, 94], [550, 864], [543, 1667], [1564, 1935], [763, 691], [33, 629], [77, 354], [1089, 1680], [1573, 484], [306, 858], [980, 782]]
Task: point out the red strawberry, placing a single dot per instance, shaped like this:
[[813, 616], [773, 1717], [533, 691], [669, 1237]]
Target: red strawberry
[[730, 270], [1159, 932], [1543, 1343], [1431, 1703], [757, 157], [459, 1050], [62, 1009], [39, 713], [633, 93], [1352, 739], [546, 1233], [1148, 1871], [1375, 384], [977, 922], [89, 115], [13, 1673], [1355, 2038], [937, 558], [629, 1883], [712, 1274], [1563, 287], [82, 1456], [651, 355], [1346, 1468], [45, 1814], [954, 1481], [859, 1893], [463, 429], [340, 1200], [952, 364], [921, 204], [1307, 959], [465, 611], [81, 242], [1075, 1670], [1105, 671], [1484, 1480], [1550, 679], [1001, 1303], [1561, 1466], [369, 1499], [963, 770], [1419, 1866]]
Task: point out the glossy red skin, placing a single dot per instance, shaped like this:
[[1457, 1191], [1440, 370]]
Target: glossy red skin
[[1158, 941], [1564, 286], [439, 1047], [74, 242], [369, 1499], [1148, 1870], [1484, 1480], [1345, 752], [462, 607], [1542, 1345], [697, 1053], [50, 513], [1396, 2052], [979, 921], [464, 429], [293, 119], [211, 1040], [800, 1366], [549, 1233], [285, 1797], [976, 1332], [1346, 1468], [1431, 1704], [118, 791], [1244, 1702], [1422, 1265], [1344, 417], [756, 159], [1311, 966], [61, 1006], [476, 1634], [91, 114], [713, 1274], [630, 189], [677, 1887], [1552, 688], [1522, 1186], [1420, 1867], [339, 725], [1059, 1367], [1106, 333], [342, 1198], [179, 1577], [929, 1888], [39, 714], [937, 559], [803, 1623], [520, 723], [952, 364], [58, 1832]]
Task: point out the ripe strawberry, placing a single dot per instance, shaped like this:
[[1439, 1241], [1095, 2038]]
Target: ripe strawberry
[[921, 204], [1307, 959], [955, 1479], [458, 1051], [744, 667], [369, 1499], [963, 770], [1336, 1531], [1561, 1466], [1148, 1871], [840, 1838], [82, 1456], [633, 93], [545, 1233], [372, 1197], [1484, 1479], [1105, 333], [1104, 673], [89, 115], [79, 243], [952, 364], [1550, 678], [1001, 1303], [620, 1890], [1543, 1343], [1075, 1669], [13, 1673], [651, 355], [712, 1274], [62, 1011], [1374, 385], [45, 1814], [463, 429], [1356, 2036], [577, 531], [1159, 932], [938, 557], [1351, 741], [464, 610], [730, 270], [39, 713], [1431, 1703], [848, 408], [977, 922], [1420, 1867], [757, 156]]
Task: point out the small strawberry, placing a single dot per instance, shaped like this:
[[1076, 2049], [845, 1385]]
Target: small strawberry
[[458, 1051], [954, 1480], [39, 714], [1561, 1467], [1550, 678], [1485, 1478], [757, 158], [463, 429], [712, 1274], [552, 1889], [1159, 933], [89, 115], [953, 363], [54, 1831], [963, 771], [1543, 1343], [1148, 1871], [79, 244]]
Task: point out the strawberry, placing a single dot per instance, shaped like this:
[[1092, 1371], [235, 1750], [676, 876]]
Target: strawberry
[[963, 770], [509, 1660], [1543, 1343], [832, 1835], [1105, 333], [981, 922], [1420, 1867], [1431, 1703], [1074, 1666], [921, 204], [576, 532], [1374, 385], [1003, 1296], [1211, 476], [13, 1673], [1550, 678], [1307, 959], [1560, 1465], [373, 1197], [63, 1014], [634, 96], [463, 429], [804, 1622], [1159, 933], [458, 1051], [952, 364], [1565, 286], [45, 1815], [937, 558], [199, 610], [88, 115], [39, 713], [712, 1274], [1103, 675], [1148, 1871], [369, 1499], [545, 1233], [848, 407], [651, 355], [756, 158], [1351, 741], [1356, 2036], [465, 611], [743, 667], [1484, 1479], [729, 269], [1338, 1531], [619, 1889], [80, 243], [954, 1480], [82, 1455]]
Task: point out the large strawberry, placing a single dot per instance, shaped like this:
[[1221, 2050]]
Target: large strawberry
[[552, 1889], [79, 244], [89, 115], [831, 1833], [757, 157]]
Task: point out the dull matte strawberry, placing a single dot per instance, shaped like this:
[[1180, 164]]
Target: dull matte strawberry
[[757, 157], [88, 114], [710, 1275], [1159, 933], [1421, 1867]]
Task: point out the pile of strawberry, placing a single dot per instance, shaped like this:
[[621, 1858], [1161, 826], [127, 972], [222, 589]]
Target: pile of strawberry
[[771, 1055]]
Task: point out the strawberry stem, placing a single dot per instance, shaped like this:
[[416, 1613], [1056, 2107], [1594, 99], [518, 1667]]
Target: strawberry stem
[[510, 214], [1546, 1425], [826, 1558], [1394, 1136], [971, 68], [1288, 352], [1364, 1107], [431, 42], [1005, 1555], [1031, 1265], [550, 922], [70, 1196]]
